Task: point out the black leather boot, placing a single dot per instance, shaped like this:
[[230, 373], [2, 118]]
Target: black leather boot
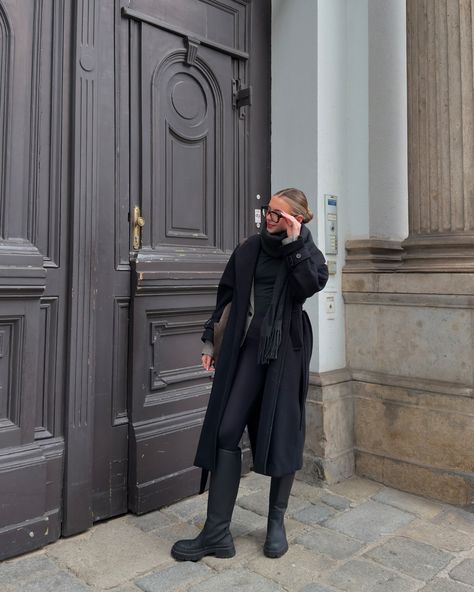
[[215, 538], [276, 544]]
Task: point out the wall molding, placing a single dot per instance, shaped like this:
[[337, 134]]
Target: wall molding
[[457, 301], [330, 377], [373, 255]]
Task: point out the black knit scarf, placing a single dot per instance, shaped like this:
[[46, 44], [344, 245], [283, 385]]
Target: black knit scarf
[[272, 323]]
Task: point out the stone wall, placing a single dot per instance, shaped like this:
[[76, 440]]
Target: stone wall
[[410, 348]]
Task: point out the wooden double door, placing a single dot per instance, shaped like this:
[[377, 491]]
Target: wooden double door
[[130, 164]]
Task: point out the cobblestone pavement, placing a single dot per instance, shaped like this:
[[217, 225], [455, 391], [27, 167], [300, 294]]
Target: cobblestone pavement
[[356, 536]]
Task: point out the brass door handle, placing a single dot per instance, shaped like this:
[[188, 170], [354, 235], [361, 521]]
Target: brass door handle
[[138, 224]]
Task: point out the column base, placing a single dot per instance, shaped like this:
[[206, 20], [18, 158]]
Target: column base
[[329, 449], [373, 255], [438, 253]]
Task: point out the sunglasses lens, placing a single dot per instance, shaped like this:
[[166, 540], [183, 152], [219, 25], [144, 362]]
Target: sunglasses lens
[[274, 216]]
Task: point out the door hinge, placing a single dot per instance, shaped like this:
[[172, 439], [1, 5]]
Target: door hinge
[[241, 97]]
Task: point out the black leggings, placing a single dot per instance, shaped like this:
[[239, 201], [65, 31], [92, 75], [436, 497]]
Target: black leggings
[[246, 392]]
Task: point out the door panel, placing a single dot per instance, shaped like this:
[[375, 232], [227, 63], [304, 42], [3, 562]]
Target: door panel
[[34, 79], [187, 143]]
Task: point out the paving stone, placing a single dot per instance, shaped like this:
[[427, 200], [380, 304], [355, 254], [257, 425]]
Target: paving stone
[[464, 572], [181, 530], [457, 519], [445, 585], [369, 521], [356, 489], [246, 547], [188, 508], [58, 582], [329, 542], [442, 537], [129, 587], [295, 569], [174, 577], [22, 569], [314, 513], [315, 588], [365, 576], [414, 504], [152, 520], [335, 501], [236, 580], [293, 529], [112, 554], [412, 558], [243, 521], [254, 481], [307, 491], [258, 502]]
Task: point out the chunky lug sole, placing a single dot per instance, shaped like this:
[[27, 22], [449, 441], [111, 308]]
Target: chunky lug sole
[[275, 554], [221, 552]]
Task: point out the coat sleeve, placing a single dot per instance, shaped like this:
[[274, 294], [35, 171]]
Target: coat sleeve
[[307, 266], [225, 292]]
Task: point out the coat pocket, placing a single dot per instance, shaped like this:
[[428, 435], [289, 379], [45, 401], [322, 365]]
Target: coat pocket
[[296, 328]]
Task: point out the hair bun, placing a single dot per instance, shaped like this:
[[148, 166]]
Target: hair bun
[[309, 215]]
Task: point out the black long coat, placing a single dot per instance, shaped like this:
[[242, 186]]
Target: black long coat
[[280, 426]]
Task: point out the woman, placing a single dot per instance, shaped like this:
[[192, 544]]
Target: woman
[[261, 377]]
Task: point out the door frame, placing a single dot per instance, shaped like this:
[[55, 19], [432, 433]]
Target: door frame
[[79, 408]]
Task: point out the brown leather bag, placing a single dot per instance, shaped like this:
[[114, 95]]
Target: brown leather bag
[[219, 329]]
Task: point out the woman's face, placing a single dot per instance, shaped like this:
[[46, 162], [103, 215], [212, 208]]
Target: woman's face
[[280, 205]]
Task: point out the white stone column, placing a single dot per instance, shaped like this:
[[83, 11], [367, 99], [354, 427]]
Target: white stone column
[[377, 142]]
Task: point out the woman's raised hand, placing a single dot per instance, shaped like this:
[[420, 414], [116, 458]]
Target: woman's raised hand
[[293, 226], [207, 362]]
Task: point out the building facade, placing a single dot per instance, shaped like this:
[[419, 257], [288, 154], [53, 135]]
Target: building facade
[[386, 126], [139, 139]]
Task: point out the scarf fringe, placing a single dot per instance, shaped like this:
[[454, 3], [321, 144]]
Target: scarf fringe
[[269, 344]]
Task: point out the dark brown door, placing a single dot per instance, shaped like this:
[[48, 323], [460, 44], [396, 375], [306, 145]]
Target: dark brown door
[[101, 393], [190, 175], [34, 251]]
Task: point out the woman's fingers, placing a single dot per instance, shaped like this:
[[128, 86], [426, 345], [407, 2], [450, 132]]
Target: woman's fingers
[[207, 361], [287, 216], [293, 224]]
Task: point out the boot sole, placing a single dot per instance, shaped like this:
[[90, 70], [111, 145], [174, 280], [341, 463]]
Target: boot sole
[[274, 554], [218, 552]]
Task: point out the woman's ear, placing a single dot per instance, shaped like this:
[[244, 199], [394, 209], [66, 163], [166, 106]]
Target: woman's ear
[[300, 218]]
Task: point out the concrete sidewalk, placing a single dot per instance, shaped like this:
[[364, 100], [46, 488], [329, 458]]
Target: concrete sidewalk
[[356, 536]]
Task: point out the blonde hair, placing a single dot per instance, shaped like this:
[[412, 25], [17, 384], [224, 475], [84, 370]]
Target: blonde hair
[[297, 200]]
